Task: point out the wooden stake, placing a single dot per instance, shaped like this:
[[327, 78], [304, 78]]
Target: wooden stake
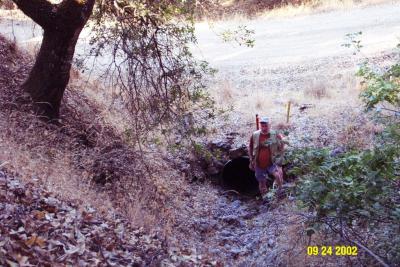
[[288, 112]]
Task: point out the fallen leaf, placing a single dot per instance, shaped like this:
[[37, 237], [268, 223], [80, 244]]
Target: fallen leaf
[[40, 215], [2, 243], [40, 242], [12, 264], [35, 240], [31, 241], [72, 250], [22, 260]]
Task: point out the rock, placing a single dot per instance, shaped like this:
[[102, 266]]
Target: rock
[[249, 214], [232, 220], [271, 243], [204, 226], [236, 251], [212, 170], [236, 204], [225, 233], [215, 251], [238, 152], [337, 151], [219, 144]]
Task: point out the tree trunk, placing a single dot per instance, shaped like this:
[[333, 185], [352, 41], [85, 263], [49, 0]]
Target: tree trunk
[[62, 24], [50, 74]]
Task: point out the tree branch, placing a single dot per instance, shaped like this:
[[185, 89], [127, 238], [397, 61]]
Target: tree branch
[[40, 11], [75, 12], [370, 253]]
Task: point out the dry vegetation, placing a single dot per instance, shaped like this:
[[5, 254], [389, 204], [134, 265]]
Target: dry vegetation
[[82, 160], [38, 229], [315, 6]]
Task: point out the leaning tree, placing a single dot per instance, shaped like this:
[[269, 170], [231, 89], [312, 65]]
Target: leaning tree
[[146, 43]]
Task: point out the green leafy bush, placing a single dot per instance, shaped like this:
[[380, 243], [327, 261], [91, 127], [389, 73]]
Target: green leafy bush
[[355, 192], [381, 85], [380, 88]]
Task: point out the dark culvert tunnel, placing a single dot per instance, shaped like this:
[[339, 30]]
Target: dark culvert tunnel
[[237, 176]]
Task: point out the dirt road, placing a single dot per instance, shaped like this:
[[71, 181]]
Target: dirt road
[[303, 38], [277, 41]]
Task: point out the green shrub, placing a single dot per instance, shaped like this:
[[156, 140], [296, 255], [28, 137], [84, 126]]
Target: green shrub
[[380, 88], [355, 192]]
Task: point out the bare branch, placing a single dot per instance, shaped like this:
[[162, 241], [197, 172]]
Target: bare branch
[[369, 252]]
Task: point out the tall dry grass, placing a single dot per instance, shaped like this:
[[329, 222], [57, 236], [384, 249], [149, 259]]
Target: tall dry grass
[[322, 92]]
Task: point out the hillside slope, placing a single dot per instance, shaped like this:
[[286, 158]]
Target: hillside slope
[[54, 206]]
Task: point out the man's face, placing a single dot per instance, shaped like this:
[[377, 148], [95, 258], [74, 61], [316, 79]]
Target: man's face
[[264, 127]]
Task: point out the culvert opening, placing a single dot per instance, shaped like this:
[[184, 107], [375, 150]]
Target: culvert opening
[[237, 175]]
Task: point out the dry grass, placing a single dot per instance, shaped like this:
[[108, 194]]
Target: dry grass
[[53, 171], [239, 10], [13, 14], [316, 6], [90, 145], [7, 4], [324, 94], [325, 109], [359, 134], [317, 89]]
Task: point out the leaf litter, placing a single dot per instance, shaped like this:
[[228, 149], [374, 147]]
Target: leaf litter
[[40, 230]]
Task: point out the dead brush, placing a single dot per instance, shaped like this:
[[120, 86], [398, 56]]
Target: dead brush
[[7, 4], [226, 91], [297, 238], [358, 134], [282, 126], [302, 7]]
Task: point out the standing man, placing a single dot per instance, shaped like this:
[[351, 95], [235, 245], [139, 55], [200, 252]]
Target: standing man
[[266, 155]]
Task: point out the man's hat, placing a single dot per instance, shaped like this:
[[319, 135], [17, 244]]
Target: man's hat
[[264, 120]]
